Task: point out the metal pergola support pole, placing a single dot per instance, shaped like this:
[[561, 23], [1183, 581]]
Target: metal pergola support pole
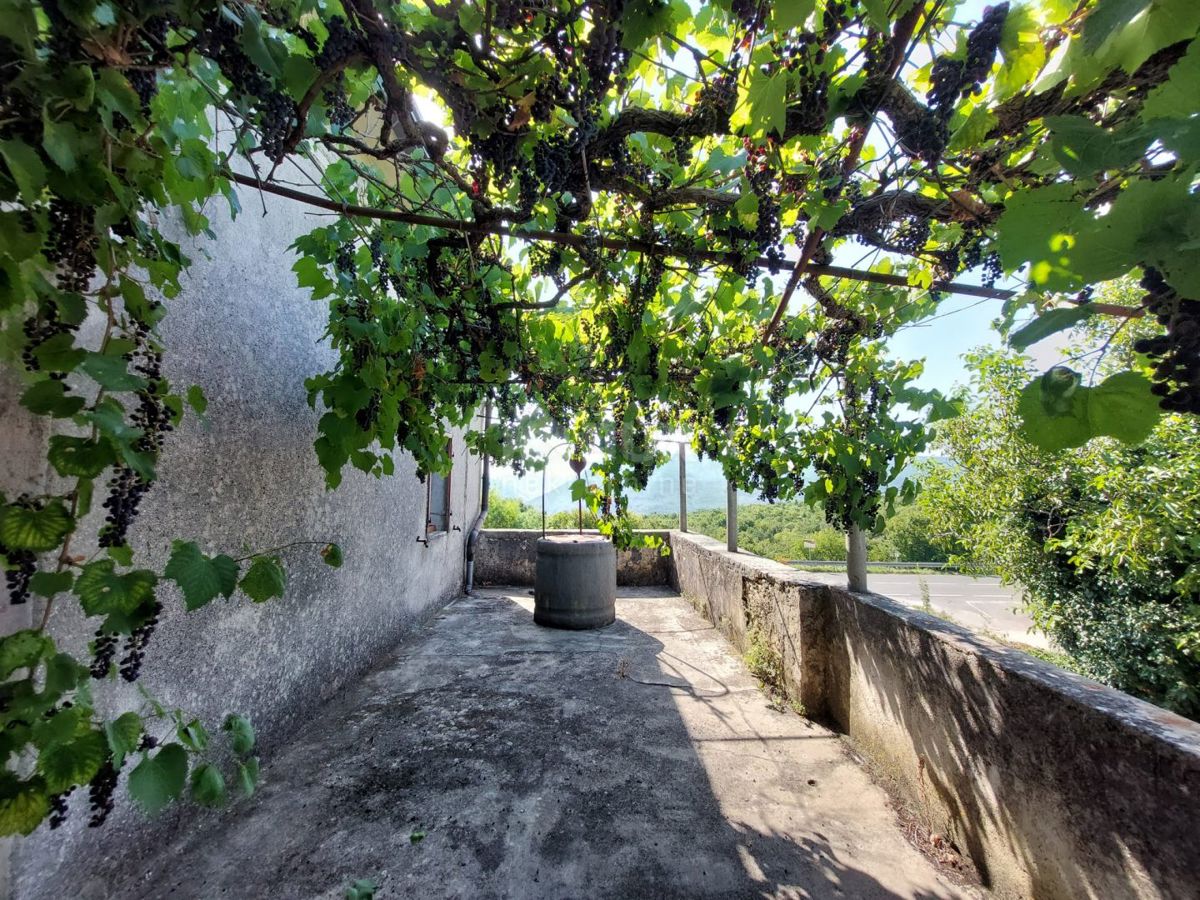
[[731, 543], [682, 486]]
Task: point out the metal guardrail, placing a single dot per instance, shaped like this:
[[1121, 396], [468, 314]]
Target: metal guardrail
[[875, 563]]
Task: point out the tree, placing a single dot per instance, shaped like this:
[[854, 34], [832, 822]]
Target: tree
[[505, 512], [915, 536], [1102, 537]]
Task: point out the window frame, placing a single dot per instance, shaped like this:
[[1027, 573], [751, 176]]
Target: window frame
[[431, 529]]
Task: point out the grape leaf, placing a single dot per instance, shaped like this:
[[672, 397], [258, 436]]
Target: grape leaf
[[111, 372], [200, 577], [1107, 17], [102, 591], [208, 786], [48, 584], [21, 649], [1047, 323], [22, 812], [248, 775], [762, 105], [1123, 407], [80, 456], [264, 579], [332, 554], [241, 734], [124, 734], [72, 763], [1053, 422], [159, 779], [196, 399], [50, 397], [26, 168], [22, 528]]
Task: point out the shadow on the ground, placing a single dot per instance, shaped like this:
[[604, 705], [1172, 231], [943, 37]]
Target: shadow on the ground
[[492, 758]]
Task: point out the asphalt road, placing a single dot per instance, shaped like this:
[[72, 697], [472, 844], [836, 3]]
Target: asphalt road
[[981, 604]]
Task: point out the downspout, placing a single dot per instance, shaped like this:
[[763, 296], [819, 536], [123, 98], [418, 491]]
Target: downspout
[[485, 489]]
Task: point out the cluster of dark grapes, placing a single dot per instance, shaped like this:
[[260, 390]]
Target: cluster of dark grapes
[[39, 329], [366, 417], [681, 150], [768, 233], [135, 645], [751, 13], [508, 14], [341, 44], [221, 40], [762, 476], [58, 810], [548, 263], [992, 269], [1177, 372], [552, 163], [125, 491], [500, 149], [100, 793], [71, 243], [63, 42], [835, 17], [143, 75], [126, 487], [383, 264], [19, 569], [605, 54], [716, 101], [952, 78], [276, 122], [104, 651], [807, 113], [145, 84], [909, 235]]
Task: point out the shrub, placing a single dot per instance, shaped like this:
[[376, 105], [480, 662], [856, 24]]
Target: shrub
[[506, 512], [1104, 537], [828, 543]]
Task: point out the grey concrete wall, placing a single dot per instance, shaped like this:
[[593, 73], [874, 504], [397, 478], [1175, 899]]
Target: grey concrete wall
[[1054, 786], [249, 478], [509, 556]]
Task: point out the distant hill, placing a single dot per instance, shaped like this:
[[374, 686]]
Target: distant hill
[[705, 487]]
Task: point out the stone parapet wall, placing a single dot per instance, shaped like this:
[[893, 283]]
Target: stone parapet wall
[[509, 556], [1054, 786]]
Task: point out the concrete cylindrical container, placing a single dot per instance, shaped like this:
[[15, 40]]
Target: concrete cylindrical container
[[575, 585]]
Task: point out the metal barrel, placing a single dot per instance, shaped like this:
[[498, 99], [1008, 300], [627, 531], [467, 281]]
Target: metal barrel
[[575, 585]]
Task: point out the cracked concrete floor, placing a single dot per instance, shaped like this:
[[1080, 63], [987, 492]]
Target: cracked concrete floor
[[536, 764]]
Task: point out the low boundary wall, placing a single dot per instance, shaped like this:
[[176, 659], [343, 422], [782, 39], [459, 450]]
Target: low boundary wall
[[1053, 785], [509, 556]]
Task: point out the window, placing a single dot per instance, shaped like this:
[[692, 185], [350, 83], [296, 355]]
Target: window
[[437, 501]]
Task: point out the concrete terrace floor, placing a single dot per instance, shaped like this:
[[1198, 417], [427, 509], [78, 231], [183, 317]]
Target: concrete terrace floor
[[537, 764]]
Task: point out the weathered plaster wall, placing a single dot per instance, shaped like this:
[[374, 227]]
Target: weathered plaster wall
[[248, 477], [1053, 785], [509, 556]]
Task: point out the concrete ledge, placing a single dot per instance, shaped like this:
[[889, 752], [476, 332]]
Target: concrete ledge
[[1053, 785], [509, 556]]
